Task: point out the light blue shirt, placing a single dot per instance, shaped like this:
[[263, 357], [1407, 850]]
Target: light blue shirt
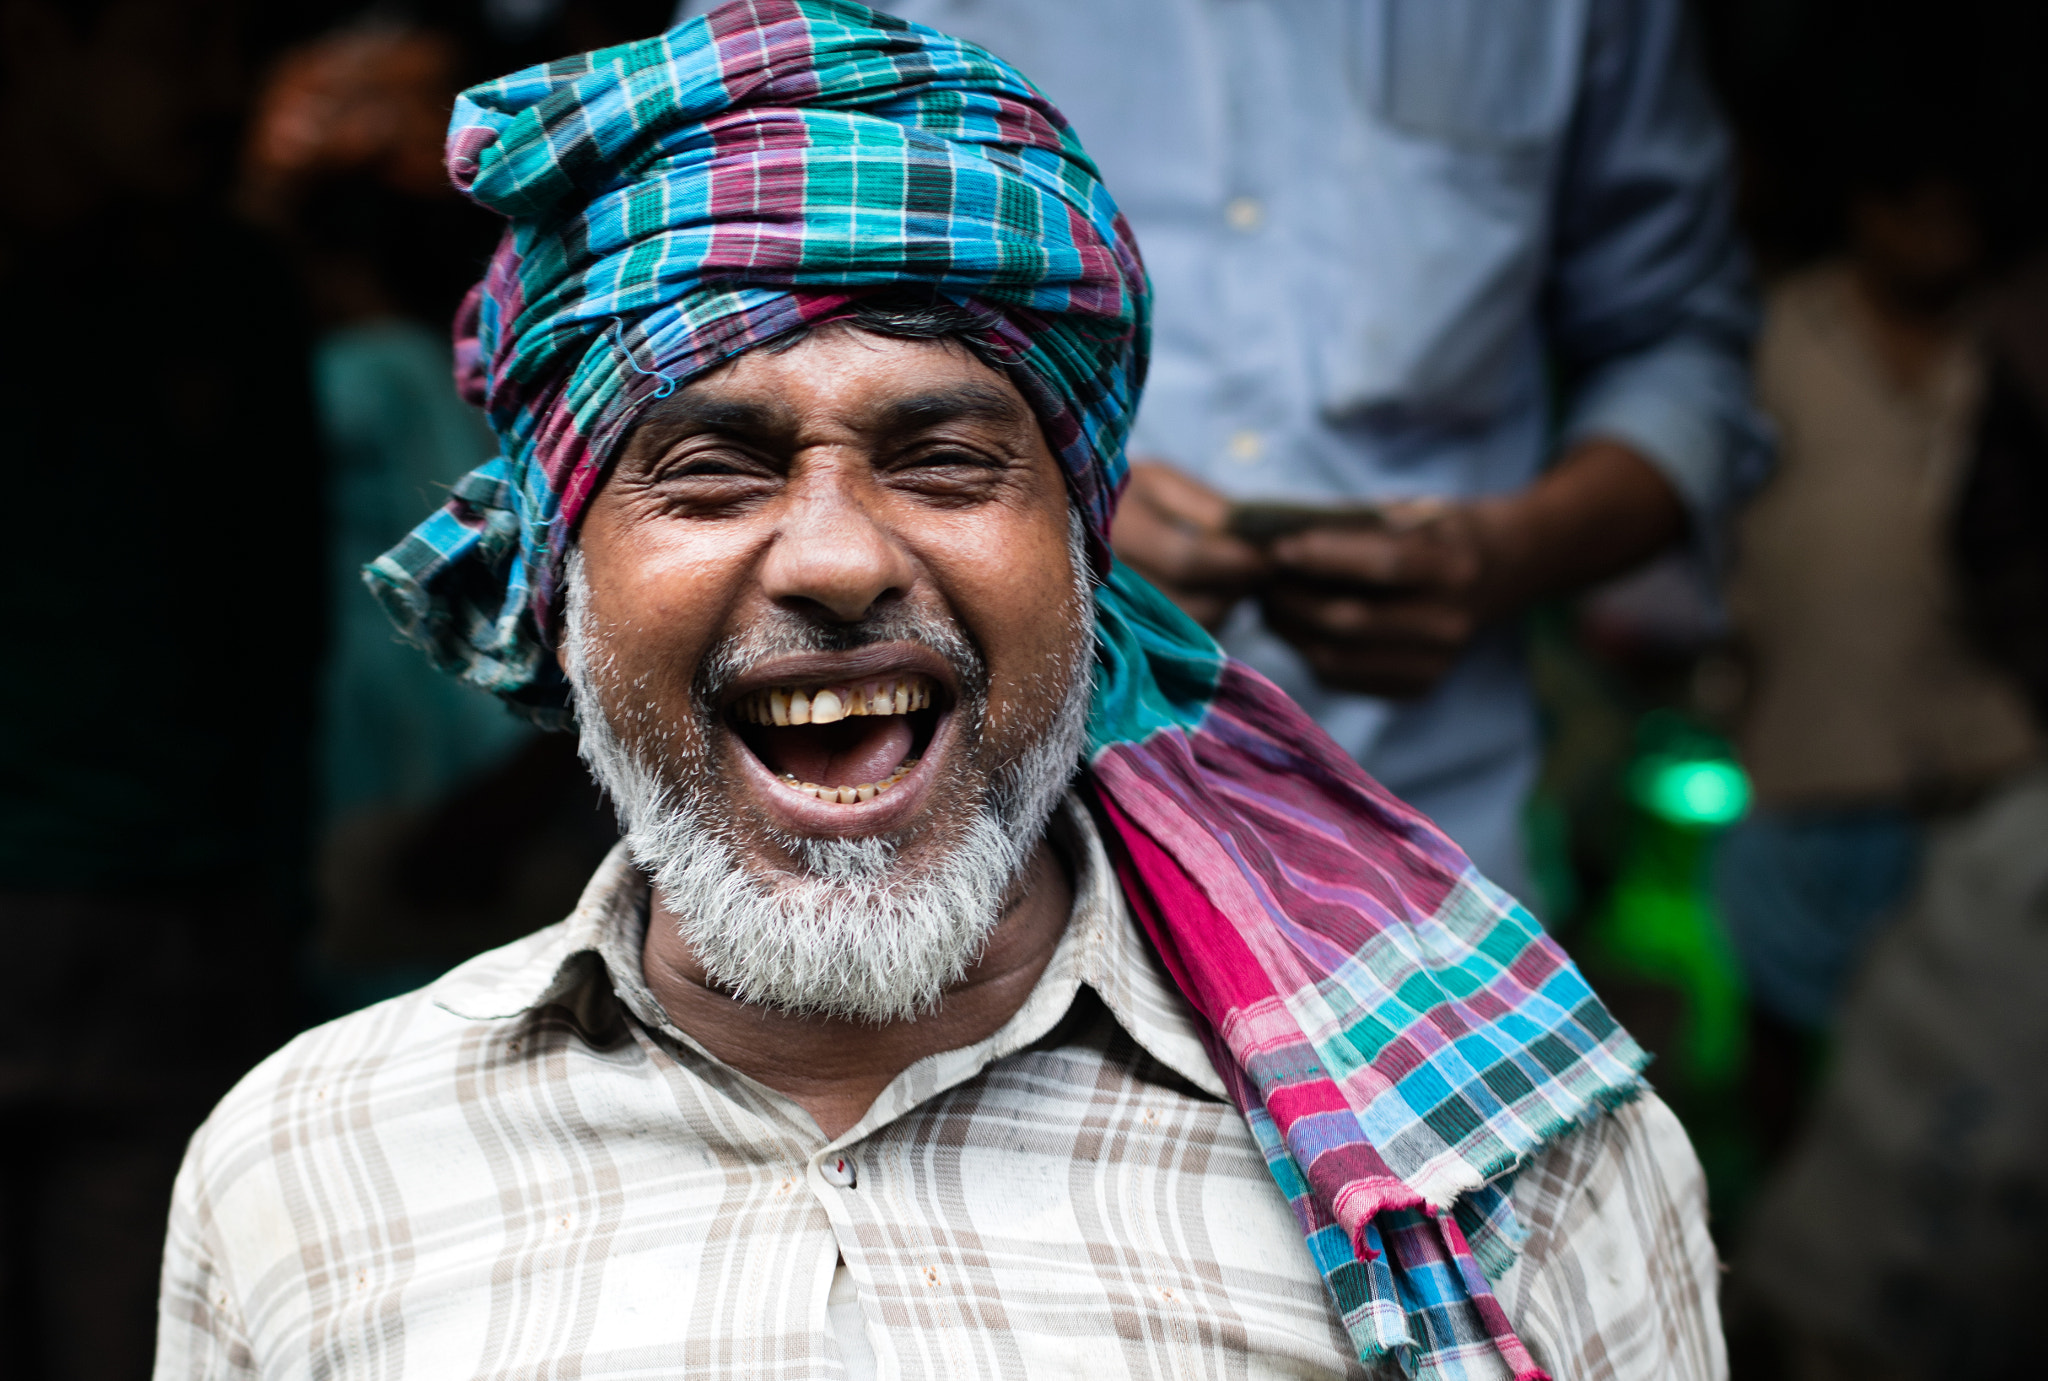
[[1385, 238]]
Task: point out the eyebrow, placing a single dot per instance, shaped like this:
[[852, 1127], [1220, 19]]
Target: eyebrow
[[964, 402], [688, 413], [695, 414]]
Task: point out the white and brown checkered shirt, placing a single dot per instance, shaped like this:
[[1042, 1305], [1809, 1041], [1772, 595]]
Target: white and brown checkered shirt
[[524, 1170]]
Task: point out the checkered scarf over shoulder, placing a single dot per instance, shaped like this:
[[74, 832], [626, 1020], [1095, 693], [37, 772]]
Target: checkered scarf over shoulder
[[1398, 1032]]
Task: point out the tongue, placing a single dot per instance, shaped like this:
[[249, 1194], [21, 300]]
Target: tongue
[[853, 752]]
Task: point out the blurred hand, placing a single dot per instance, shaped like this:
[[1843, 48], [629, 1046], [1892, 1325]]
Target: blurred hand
[[1169, 529], [1388, 611]]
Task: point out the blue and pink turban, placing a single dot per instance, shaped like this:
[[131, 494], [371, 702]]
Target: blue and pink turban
[[1398, 1032]]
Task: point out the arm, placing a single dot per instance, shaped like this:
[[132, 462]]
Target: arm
[[1648, 308], [1618, 1276], [199, 1335]]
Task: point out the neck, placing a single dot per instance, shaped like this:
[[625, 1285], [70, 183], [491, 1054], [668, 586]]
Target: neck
[[1910, 331], [834, 1068]]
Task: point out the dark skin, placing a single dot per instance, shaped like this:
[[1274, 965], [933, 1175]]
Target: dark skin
[[828, 480], [1389, 610], [1914, 255]]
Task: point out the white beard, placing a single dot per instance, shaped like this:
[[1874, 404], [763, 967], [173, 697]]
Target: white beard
[[854, 931]]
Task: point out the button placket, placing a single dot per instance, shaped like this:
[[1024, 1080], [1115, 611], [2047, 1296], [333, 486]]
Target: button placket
[[828, 1172]]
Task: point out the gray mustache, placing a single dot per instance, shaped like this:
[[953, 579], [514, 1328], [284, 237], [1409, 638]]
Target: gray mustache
[[788, 633]]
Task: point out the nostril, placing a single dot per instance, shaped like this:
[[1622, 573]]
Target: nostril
[[850, 609], [836, 572]]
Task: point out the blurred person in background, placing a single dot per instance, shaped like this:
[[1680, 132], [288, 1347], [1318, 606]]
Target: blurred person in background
[[160, 782], [415, 769], [163, 605], [1868, 708], [2001, 523], [1467, 260], [1897, 573]]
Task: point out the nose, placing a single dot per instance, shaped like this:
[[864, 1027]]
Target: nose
[[833, 557]]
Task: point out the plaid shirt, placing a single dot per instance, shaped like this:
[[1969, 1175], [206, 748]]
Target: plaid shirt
[[526, 1170]]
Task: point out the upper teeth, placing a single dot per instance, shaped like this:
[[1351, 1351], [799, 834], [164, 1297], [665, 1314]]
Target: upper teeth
[[829, 704]]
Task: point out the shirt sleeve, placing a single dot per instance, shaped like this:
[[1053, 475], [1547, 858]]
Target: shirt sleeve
[[1618, 1280], [1648, 301], [199, 1334]]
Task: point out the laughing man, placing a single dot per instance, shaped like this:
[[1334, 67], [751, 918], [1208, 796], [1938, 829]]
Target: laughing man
[[995, 980]]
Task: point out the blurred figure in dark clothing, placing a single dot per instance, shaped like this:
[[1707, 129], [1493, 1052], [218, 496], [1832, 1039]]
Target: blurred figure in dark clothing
[[344, 159], [154, 767], [426, 784], [2001, 531]]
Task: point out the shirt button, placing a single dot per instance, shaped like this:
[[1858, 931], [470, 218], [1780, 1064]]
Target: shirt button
[[839, 1171], [1246, 447], [1245, 213]]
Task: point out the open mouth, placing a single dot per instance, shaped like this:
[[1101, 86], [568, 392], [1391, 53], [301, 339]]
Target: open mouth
[[841, 742]]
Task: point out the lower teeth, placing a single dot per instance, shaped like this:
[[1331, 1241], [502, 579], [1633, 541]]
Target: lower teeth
[[848, 795]]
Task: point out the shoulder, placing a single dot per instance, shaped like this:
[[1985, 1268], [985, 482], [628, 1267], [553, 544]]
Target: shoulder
[[414, 1137], [1642, 1137], [401, 1066], [1618, 1262]]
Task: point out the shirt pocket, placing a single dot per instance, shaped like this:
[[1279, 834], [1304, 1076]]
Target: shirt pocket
[[1486, 74]]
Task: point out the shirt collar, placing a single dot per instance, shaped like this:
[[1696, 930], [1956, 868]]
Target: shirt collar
[[1119, 963], [593, 957]]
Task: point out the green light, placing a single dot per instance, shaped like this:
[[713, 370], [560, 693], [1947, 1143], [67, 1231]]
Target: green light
[[1692, 791]]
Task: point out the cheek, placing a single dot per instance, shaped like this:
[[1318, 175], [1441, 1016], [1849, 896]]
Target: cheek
[[1014, 591], [659, 594]]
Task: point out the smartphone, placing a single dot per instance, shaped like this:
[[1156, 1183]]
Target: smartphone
[[1260, 523]]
